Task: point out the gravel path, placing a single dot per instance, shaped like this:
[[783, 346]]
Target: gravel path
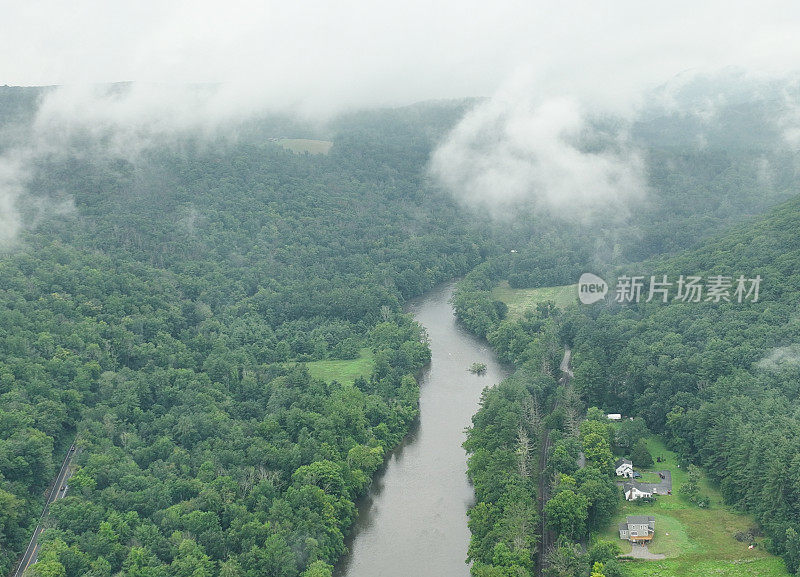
[[642, 552]]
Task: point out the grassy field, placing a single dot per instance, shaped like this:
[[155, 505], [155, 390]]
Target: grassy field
[[697, 542], [520, 300], [757, 567], [650, 477], [343, 371], [301, 145]]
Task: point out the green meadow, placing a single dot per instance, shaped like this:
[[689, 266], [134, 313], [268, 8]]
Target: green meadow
[[343, 371], [520, 300]]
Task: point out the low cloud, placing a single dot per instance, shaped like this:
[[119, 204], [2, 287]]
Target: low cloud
[[94, 122], [127, 118], [555, 153], [18, 208], [781, 359], [12, 185], [790, 119]]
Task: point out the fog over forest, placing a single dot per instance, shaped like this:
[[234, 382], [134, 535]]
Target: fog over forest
[[219, 223]]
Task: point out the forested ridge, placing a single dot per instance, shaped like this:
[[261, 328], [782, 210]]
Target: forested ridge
[[714, 157], [717, 380], [164, 320]]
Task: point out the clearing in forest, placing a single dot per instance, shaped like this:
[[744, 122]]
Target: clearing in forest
[[300, 145], [697, 541], [344, 371], [520, 300]]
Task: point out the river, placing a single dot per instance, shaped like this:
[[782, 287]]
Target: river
[[413, 521]]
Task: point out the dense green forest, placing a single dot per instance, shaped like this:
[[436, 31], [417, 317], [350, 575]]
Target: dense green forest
[[719, 380], [163, 315], [164, 322]]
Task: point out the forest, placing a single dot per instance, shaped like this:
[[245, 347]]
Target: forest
[[163, 323], [717, 379], [163, 317]]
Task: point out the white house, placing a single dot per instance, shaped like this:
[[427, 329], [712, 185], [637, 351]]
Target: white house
[[624, 468], [614, 417], [633, 492]]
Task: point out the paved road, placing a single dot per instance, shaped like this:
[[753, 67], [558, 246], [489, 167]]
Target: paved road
[[57, 491], [661, 488]]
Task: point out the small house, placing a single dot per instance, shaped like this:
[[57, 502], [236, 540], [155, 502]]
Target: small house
[[638, 528], [624, 468], [633, 491], [614, 417]]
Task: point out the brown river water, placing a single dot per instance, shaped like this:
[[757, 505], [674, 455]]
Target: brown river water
[[413, 521]]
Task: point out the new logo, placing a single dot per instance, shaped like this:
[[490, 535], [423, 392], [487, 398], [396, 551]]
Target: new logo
[[591, 288]]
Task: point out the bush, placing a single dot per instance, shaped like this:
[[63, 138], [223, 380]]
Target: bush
[[743, 536], [603, 552]]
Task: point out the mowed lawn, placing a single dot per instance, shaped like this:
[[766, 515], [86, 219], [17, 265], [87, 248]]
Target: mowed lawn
[[300, 145], [343, 371], [697, 542], [520, 300]]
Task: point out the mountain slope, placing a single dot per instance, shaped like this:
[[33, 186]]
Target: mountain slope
[[164, 319], [720, 380]]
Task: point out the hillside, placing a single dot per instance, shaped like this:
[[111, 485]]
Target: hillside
[[218, 320], [165, 316], [710, 376]]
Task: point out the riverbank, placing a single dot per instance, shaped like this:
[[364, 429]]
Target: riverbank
[[413, 521]]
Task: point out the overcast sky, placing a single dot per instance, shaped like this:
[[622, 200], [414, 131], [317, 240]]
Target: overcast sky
[[342, 53]]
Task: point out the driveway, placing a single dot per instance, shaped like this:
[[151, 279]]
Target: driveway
[[640, 551], [661, 488]]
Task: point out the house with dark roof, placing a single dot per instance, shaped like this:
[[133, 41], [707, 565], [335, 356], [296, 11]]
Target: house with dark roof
[[624, 468], [638, 528], [635, 491]]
